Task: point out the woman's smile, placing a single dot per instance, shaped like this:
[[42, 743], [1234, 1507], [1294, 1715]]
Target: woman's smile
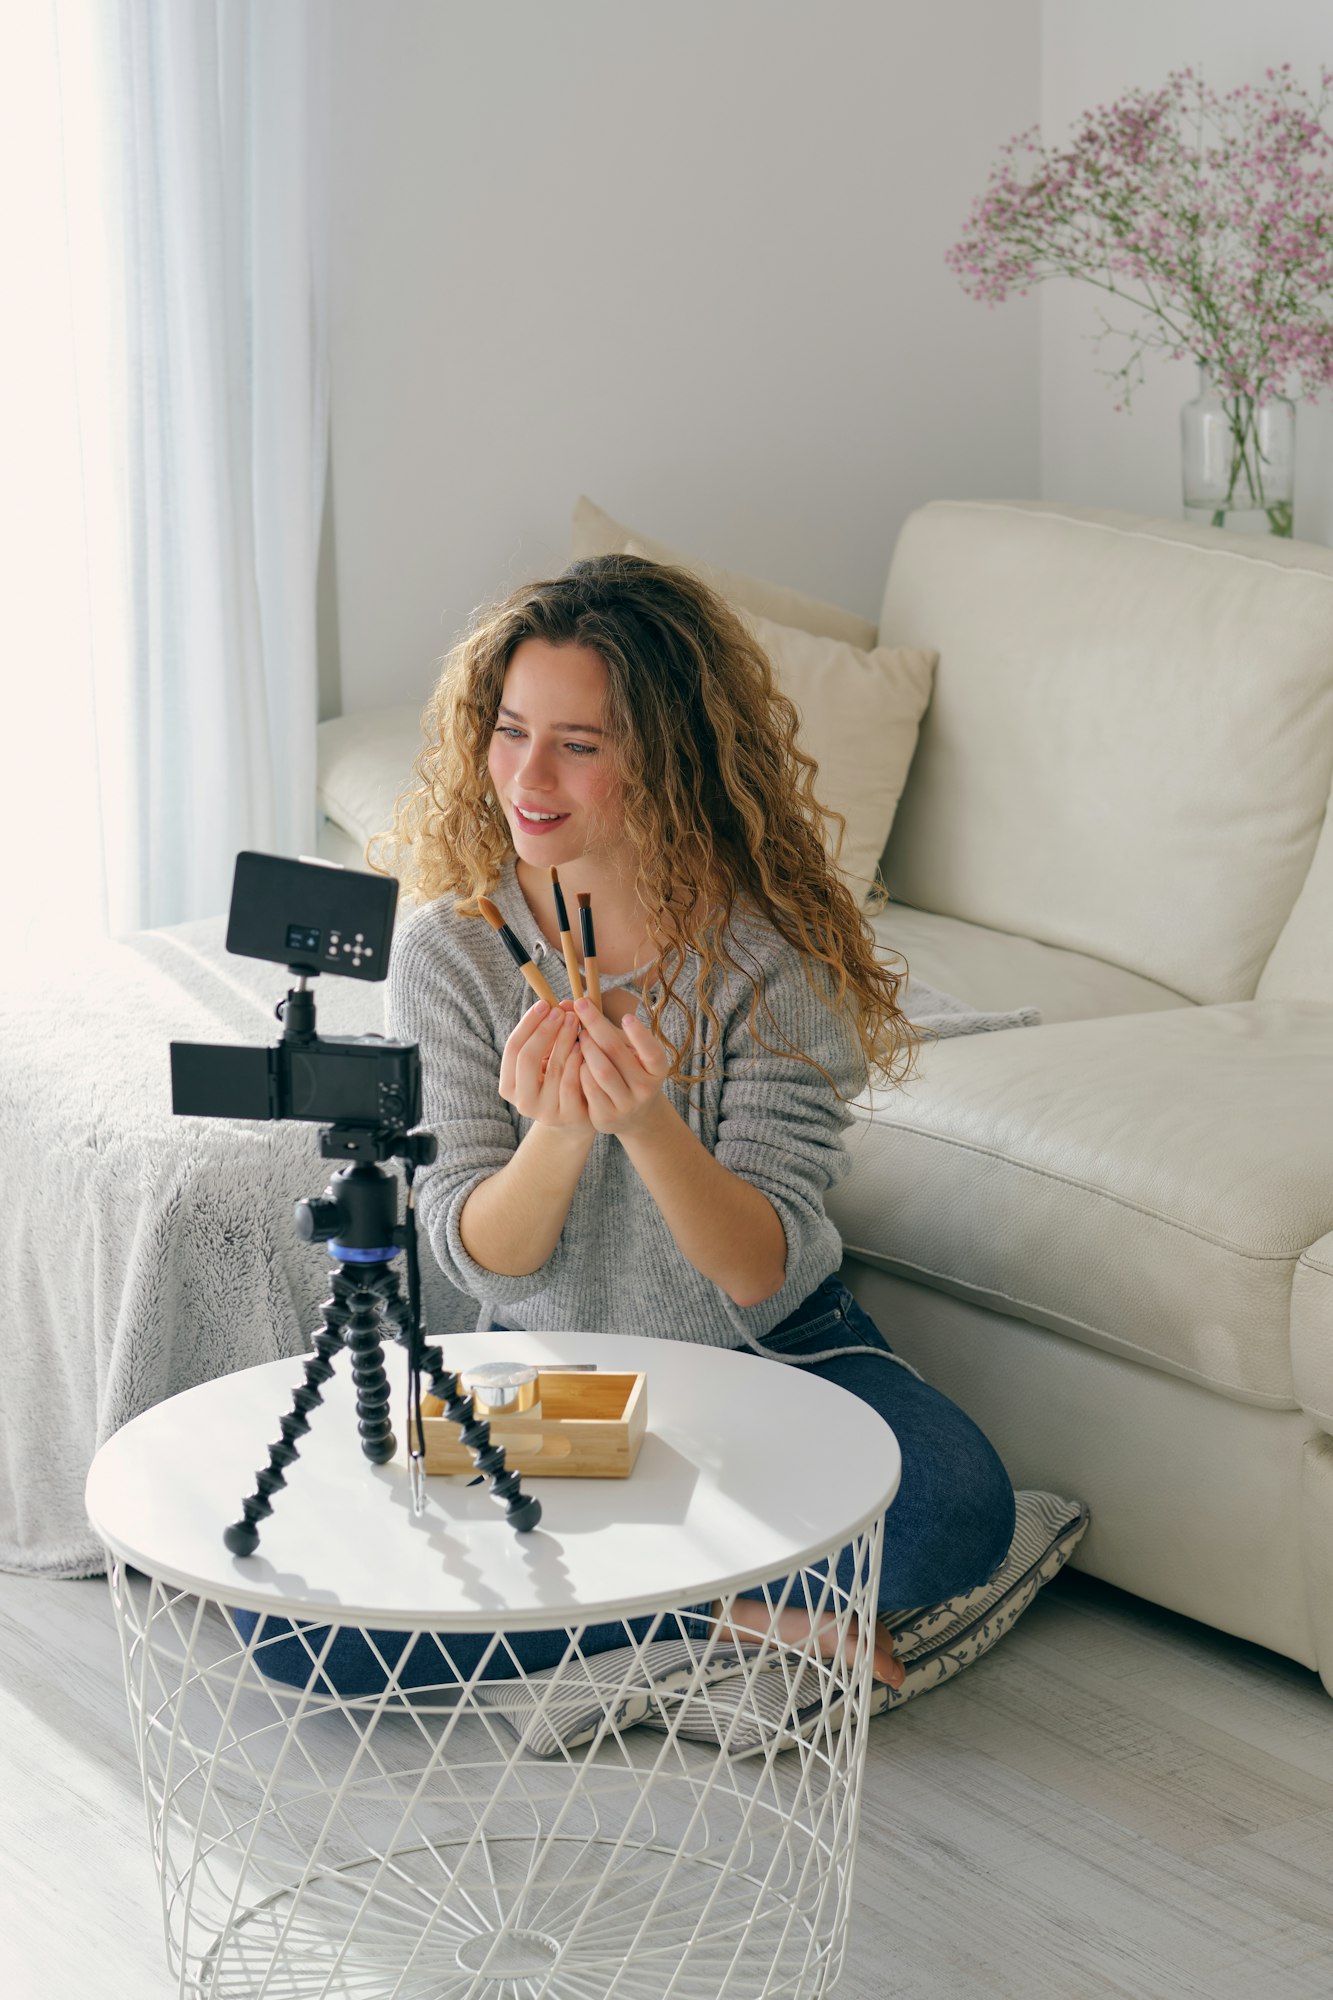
[[532, 821]]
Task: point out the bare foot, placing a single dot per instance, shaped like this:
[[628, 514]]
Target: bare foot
[[752, 1619]]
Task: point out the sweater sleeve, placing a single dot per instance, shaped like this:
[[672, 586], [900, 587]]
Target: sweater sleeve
[[435, 1000], [781, 1124]]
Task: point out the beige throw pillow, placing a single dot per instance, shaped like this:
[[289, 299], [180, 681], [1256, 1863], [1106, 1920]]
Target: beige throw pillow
[[595, 533], [860, 713]]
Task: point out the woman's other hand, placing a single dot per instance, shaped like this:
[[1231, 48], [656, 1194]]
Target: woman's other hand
[[623, 1070], [540, 1068]]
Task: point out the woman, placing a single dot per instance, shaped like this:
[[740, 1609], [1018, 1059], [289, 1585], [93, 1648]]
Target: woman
[[659, 1167]]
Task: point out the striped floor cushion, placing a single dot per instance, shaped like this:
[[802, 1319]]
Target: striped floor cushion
[[724, 1699]]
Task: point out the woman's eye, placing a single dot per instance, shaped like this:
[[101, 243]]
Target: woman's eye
[[515, 735]]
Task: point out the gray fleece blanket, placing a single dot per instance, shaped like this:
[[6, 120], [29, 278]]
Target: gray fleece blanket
[[147, 1253]]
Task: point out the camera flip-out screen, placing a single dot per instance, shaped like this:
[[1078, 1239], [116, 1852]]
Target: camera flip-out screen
[[310, 918]]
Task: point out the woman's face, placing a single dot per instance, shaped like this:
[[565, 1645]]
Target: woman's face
[[549, 760]]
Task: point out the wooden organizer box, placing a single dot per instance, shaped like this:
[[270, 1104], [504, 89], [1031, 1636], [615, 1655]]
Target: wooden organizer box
[[591, 1427]]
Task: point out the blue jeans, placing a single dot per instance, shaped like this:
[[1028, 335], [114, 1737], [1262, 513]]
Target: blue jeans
[[948, 1530], [951, 1524]]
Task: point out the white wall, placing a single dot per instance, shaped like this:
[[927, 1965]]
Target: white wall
[[1091, 53], [687, 258]]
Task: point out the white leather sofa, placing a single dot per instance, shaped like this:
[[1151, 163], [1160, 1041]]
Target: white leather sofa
[[1109, 1237]]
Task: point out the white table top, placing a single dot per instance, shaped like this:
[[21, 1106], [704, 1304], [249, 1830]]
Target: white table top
[[749, 1468]]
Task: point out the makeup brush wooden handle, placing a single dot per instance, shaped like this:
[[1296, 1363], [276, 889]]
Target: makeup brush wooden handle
[[540, 985], [593, 978], [571, 963]]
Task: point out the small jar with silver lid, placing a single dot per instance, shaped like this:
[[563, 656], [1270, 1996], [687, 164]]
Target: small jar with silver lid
[[502, 1389]]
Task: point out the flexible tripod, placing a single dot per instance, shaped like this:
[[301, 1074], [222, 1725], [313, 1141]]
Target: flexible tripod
[[357, 1217]]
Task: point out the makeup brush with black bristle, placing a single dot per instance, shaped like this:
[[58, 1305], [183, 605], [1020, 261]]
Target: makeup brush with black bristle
[[566, 935], [590, 972], [518, 952]]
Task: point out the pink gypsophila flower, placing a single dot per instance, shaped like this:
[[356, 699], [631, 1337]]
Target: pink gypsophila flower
[[1213, 216]]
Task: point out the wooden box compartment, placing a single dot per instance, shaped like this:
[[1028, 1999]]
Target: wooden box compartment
[[591, 1427]]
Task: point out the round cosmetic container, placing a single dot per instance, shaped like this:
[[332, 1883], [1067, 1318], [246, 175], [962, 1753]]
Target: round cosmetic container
[[503, 1389]]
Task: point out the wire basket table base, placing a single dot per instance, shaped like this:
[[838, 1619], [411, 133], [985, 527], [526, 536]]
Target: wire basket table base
[[672, 1821]]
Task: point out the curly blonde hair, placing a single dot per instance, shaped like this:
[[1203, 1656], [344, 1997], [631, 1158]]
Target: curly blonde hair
[[718, 799]]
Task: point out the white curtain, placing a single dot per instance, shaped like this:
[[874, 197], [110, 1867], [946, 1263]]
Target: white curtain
[[166, 397]]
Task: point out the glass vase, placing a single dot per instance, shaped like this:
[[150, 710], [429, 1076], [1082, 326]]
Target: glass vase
[[1238, 460]]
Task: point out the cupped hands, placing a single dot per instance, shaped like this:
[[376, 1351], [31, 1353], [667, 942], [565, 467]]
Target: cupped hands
[[571, 1066]]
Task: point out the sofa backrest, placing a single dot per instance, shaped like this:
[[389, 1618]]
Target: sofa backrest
[[1129, 748]]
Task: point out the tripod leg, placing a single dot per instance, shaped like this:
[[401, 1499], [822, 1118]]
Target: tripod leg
[[522, 1511], [351, 1320], [242, 1537], [362, 1337]]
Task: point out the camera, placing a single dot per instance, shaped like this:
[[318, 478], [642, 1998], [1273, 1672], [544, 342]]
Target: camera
[[311, 917], [365, 1091]]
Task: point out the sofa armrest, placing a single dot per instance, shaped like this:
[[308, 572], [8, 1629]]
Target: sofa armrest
[[1312, 1330]]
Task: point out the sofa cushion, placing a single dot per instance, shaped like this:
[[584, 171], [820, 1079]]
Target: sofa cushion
[[1144, 1183], [363, 763], [860, 713], [1130, 743], [998, 973], [595, 533]]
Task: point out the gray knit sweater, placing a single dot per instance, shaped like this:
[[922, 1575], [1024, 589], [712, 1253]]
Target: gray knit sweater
[[773, 1120]]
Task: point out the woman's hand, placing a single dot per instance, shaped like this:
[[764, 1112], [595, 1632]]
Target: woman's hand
[[623, 1070], [540, 1068]]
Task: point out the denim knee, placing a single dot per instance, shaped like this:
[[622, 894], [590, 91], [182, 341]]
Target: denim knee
[[967, 1498], [352, 1665], [999, 1509]]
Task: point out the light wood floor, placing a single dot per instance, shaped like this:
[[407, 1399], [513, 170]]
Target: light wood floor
[[1115, 1801]]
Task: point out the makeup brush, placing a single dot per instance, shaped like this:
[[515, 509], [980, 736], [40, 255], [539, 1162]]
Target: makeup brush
[[517, 951], [566, 935], [590, 972]]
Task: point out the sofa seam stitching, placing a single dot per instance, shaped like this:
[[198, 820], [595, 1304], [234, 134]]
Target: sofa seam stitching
[[1085, 1326], [1085, 1187]]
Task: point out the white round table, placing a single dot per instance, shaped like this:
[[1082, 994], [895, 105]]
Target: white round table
[[488, 1838]]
